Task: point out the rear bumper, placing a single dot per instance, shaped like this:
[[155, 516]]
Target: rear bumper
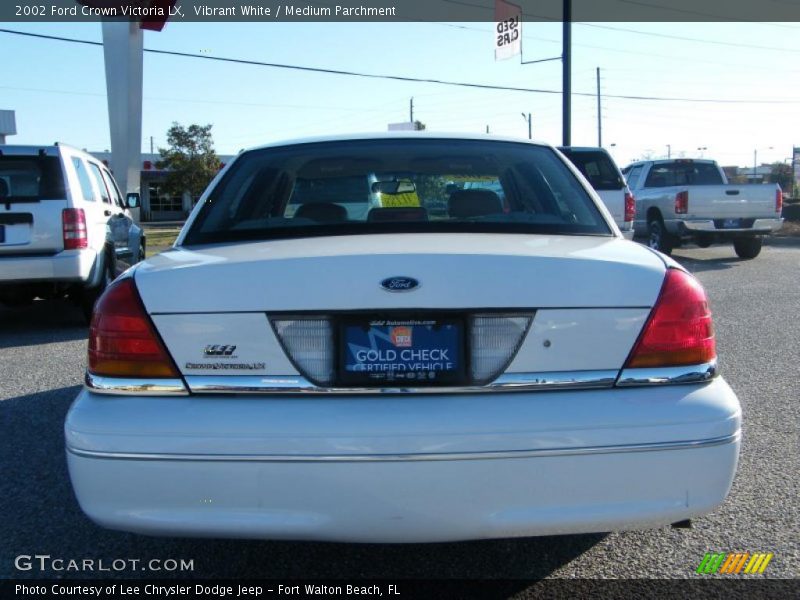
[[66, 266], [410, 469], [707, 226]]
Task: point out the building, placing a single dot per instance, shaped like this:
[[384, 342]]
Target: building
[[156, 204]]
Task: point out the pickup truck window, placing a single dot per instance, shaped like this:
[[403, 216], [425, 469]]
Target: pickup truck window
[[683, 173], [633, 176]]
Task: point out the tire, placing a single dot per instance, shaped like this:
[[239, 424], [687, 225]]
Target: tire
[[658, 238], [89, 296], [747, 247], [703, 242], [141, 253]]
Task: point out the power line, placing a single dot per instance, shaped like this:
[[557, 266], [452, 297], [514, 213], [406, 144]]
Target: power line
[[464, 84]]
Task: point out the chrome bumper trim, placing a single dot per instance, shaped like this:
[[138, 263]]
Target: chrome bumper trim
[[503, 454], [296, 384], [707, 226], [135, 387], [668, 375]]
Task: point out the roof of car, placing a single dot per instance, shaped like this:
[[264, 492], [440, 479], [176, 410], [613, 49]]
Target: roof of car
[[393, 135], [33, 149]]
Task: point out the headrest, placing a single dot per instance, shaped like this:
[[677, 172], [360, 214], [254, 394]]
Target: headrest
[[322, 212], [473, 203]]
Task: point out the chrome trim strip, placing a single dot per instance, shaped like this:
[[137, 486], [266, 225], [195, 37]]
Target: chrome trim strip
[[489, 455], [296, 384], [135, 387], [668, 375]]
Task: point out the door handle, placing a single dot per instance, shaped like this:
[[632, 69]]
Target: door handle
[[107, 213]]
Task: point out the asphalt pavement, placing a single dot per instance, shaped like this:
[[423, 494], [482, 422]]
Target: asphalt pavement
[[756, 309]]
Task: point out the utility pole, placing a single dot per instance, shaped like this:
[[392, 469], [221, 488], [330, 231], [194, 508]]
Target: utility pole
[[411, 110], [151, 145], [487, 129], [599, 114], [530, 126], [567, 75], [669, 151]]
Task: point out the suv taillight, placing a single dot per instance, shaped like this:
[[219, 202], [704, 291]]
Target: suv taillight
[[682, 202], [778, 200], [122, 339], [679, 330], [630, 207], [73, 225]]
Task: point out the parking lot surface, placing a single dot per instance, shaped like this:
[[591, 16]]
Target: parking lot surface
[[755, 305]]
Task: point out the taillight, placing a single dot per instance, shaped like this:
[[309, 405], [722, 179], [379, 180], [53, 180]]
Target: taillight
[[122, 339], [778, 200], [630, 207], [679, 330], [682, 202], [73, 224]]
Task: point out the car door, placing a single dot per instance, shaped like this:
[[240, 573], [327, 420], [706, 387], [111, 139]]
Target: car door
[[117, 224], [130, 231]]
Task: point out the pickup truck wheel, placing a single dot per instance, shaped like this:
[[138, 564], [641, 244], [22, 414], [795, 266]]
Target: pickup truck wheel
[[659, 239], [703, 242], [747, 247]]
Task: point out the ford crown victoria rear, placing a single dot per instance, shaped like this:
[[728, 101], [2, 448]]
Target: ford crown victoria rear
[[451, 363]]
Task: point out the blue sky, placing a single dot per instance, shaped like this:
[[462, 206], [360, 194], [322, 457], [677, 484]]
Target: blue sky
[[58, 89]]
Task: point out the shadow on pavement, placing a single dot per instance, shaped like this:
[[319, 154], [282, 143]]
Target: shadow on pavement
[[42, 322], [47, 519], [713, 263]]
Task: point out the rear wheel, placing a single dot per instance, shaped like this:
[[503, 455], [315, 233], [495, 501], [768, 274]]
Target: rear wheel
[[747, 247], [89, 296], [658, 238], [703, 242]]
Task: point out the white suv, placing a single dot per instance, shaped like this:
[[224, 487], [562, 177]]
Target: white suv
[[65, 229]]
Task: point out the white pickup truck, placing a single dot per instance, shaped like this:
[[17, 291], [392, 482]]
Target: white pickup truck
[[690, 200]]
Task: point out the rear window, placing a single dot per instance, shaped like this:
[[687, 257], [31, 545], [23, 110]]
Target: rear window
[[597, 167], [399, 185], [683, 173], [31, 179]]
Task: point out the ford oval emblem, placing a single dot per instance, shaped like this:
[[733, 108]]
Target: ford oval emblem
[[399, 284]]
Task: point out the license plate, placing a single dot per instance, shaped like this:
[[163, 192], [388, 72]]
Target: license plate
[[402, 352], [2, 234], [731, 223]]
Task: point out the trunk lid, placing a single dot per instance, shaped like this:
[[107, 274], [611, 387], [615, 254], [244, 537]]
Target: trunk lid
[[216, 306]]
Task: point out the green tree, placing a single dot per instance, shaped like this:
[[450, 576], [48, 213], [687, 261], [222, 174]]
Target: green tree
[[781, 173], [190, 160]]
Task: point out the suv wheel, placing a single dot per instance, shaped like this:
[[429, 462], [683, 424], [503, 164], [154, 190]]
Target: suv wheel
[[747, 247], [658, 238], [89, 296]]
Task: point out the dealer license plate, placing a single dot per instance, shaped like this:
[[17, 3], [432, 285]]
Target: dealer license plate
[[731, 223], [402, 352]]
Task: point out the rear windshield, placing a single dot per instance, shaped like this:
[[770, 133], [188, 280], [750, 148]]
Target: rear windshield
[[400, 185], [30, 179], [683, 173], [597, 167]]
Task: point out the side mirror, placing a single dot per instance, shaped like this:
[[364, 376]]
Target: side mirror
[[132, 200]]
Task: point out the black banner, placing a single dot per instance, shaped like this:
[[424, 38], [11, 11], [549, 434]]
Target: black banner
[[400, 589], [393, 10]]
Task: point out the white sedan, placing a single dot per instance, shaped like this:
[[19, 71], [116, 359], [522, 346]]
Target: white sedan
[[297, 367]]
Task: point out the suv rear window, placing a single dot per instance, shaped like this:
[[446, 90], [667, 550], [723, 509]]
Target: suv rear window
[[597, 167], [398, 185], [31, 179]]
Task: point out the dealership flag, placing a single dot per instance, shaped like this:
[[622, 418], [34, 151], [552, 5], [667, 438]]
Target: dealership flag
[[508, 30]]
